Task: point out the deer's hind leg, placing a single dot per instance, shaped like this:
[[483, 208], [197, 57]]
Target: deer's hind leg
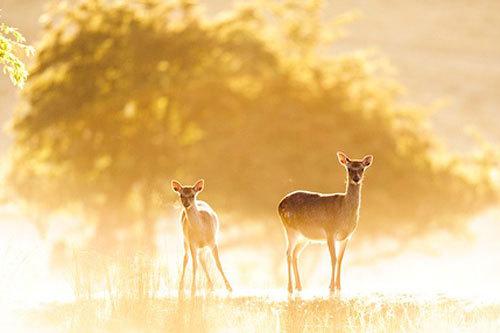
[[292, 239], [295, 256], [204, 266], [215, 254]]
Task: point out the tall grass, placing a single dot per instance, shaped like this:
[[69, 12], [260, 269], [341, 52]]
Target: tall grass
[[131, 295]]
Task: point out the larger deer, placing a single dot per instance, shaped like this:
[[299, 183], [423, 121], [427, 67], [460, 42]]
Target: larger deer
[[199, 226], [310, 216]]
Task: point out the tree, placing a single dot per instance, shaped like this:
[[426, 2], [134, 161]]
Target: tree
[[12, 44], [124, 97]]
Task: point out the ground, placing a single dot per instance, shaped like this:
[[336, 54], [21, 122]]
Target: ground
[[369, 313]]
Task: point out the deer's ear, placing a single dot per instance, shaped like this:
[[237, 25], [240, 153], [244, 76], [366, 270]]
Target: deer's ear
[[367, 160], [200, 184], [343, 159], [176, 186]]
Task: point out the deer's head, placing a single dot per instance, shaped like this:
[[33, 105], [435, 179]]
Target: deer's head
[[187, 194], [355, 168]]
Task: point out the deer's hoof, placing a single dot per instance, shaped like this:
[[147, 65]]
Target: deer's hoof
[[334, 292]]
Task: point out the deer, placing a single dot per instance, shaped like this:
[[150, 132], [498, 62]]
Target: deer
[[200, 225], [316, 217]]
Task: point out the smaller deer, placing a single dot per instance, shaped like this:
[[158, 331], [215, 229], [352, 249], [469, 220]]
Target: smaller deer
[[200, 225], [310, 216]]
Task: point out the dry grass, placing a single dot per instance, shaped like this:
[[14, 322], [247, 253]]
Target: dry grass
[[253, 314], [126, 296]]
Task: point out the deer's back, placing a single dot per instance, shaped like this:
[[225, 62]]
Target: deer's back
[[312, 214]]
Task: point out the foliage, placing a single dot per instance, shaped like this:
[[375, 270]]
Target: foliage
[[124, 97], [12, 42]]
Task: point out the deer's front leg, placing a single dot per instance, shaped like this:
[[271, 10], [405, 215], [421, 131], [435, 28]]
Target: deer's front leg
[[194, 259], [184, 264], [333, 259], [342, 246]]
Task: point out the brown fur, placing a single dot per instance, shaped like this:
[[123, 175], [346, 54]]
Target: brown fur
[[310, 216]]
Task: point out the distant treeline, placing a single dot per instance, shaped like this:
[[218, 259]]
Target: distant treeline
[[125, 96]]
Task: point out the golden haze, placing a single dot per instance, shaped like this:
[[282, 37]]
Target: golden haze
[[124, 96]]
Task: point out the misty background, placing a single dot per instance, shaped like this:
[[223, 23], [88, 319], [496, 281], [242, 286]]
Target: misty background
[[413, 83]]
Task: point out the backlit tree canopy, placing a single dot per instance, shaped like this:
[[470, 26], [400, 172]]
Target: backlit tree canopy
[[12, 46], [124, 97]]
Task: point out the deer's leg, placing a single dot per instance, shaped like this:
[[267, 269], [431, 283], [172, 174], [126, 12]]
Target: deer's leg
[[194, 259], [289, 265], [342, 246], [215, 253], [292, 241], [333, 258], [295, 255], [204, 266], [184, 264]]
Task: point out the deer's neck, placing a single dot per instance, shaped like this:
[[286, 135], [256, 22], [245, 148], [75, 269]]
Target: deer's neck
[[352, 196], [193, 214]]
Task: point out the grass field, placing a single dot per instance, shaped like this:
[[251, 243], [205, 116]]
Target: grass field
[[134, 293], [139, 295], [374, 313]]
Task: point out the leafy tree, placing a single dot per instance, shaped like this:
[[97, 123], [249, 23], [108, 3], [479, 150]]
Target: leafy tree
[[12, 43], [124, 97]]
